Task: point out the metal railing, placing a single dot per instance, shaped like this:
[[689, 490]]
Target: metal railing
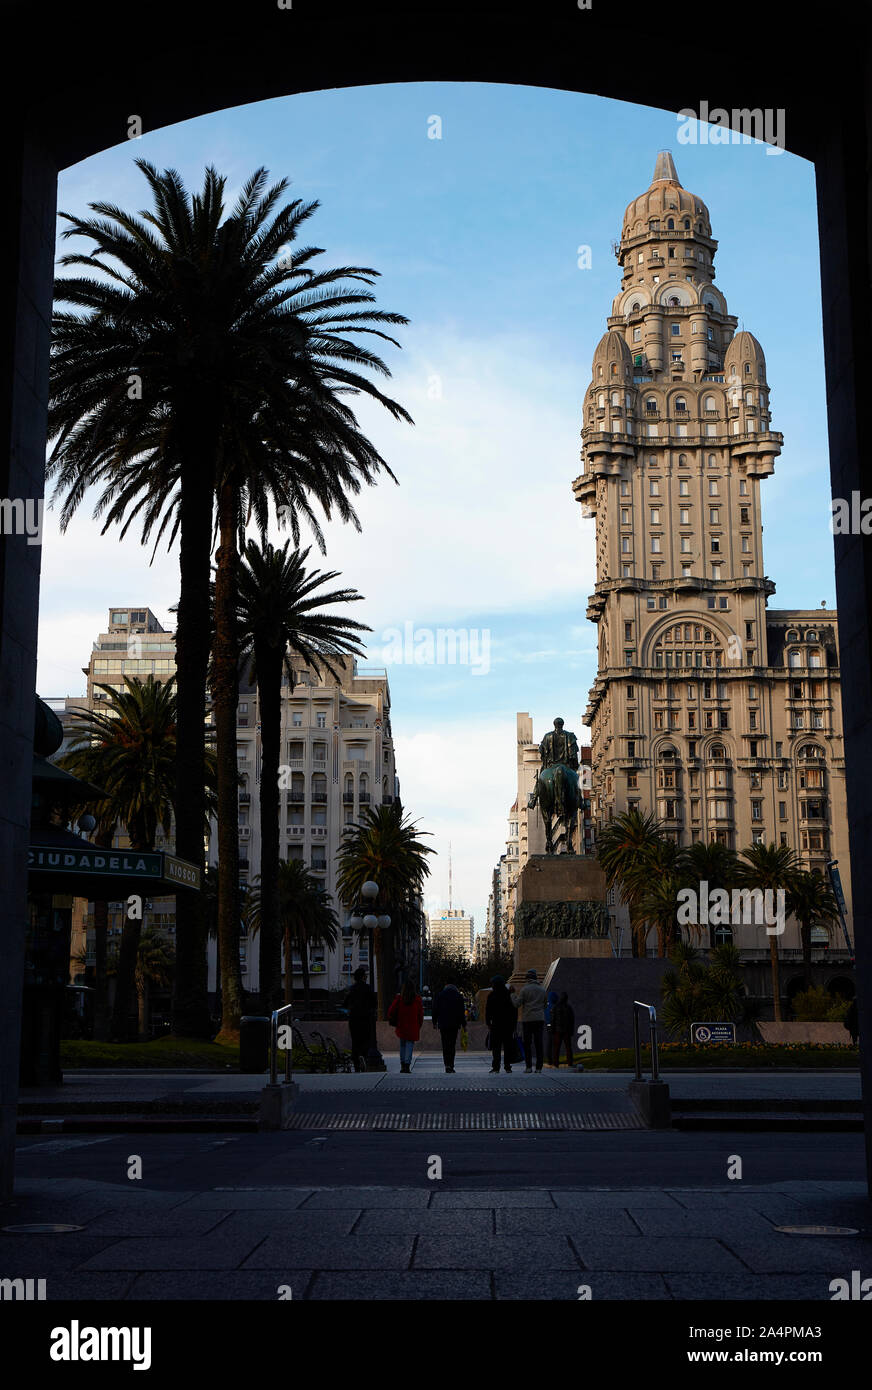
[[637, 1046], [274, 1043]]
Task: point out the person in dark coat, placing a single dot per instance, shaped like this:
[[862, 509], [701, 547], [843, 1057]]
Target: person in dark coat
[[407, 1016], [851, 1020], [361, 1002], [449, 1016], [500, 1016], [563, 1029]]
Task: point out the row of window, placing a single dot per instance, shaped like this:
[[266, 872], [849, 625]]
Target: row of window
[[683, 483]]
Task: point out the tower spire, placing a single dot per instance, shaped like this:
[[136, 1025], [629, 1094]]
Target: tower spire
[[664, 168]]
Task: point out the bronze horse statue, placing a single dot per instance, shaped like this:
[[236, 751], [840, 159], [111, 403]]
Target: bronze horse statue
[[558, 796]]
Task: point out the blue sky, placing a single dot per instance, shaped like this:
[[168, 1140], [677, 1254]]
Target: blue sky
[[477, 239]]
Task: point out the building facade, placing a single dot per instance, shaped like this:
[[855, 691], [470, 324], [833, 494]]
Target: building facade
[[337, 758], [453, 929], [709, 708]]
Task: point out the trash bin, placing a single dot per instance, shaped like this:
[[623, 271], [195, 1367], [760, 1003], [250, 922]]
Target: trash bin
[[254, 1043]]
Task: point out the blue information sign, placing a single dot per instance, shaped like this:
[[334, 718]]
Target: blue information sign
[[713, 1032]]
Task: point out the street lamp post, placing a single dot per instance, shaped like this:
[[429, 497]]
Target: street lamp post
[[369, 922]]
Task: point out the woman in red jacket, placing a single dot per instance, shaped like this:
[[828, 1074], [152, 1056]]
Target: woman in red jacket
[[407, 1015]]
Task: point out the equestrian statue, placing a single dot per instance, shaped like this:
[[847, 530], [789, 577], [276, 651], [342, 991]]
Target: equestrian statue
[[557, 792]]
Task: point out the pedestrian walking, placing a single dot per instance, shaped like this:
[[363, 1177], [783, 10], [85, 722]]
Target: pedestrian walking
[[407, 1015], [361, 1004], [851, 1020], [532, 999], [500, 1017], [562, 1029], [449, 1016]]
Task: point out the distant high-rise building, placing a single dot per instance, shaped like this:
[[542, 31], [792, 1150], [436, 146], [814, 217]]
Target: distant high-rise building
[[454, 929]]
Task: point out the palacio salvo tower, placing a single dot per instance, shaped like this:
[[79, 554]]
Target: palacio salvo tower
[[710, 709]]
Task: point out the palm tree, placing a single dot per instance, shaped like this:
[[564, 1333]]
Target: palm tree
[[710, 863], [769, 867], [812, 902], [655, 879], [154, 966], [306, 917], [201, 365], [280, 616], [128, 748], [383, 847], [622, 847]]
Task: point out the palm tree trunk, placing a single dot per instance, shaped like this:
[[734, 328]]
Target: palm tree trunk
[[269, 687], [190, 1002], [101, 990], [142, 998], [805, 937], [304, 966], [225, 695], [125, 980], [776, 986]]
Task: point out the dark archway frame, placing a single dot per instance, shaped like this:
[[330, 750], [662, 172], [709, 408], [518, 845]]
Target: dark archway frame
[[74, 78]]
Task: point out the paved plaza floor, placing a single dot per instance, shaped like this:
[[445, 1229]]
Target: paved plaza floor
[[618, 1215]]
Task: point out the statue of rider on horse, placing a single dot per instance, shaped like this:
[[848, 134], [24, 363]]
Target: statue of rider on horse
[[557, 792]]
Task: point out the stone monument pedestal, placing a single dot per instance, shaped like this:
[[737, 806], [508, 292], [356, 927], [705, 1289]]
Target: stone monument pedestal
[[560, 912]]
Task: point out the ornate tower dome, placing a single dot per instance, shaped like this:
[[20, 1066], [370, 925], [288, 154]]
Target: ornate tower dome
[[665, 199], [612, 360], [744, 359]]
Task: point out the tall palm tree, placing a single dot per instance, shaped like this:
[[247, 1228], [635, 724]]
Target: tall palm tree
[[622, 846], [280, 617], [306, 918], [769, 867], [812, 902], [128, 748], [383, 847], [204, 364]]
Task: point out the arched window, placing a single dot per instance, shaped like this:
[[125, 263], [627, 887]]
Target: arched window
[[651, 405], [670, 225], [635, 307], [680, 403], [810, 750], [667, 753], [601, 400], [793, 635], [614, 369], [717, 752], [814, 659], [686, 224], [364, 787], [811, 637], [673, 300], [793, 659], [616, 398], [749, 397], [709, 403], [712, 461], [348, 787], [747, 369], [682, 460]]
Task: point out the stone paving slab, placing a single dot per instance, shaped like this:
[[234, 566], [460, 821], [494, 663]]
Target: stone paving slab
[[419, 1284], [300, 1224], [353, 1252], [564, 1285], [81, 1287], [750, 1287], [369, 1197], [529, 1197], [683, 1254], [207, 1252], [456, 1221], [568, 1221], [598, 1198], [256, 1199], [236, 1285], [497, 1252], [805, 1254], [721, 1222]]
